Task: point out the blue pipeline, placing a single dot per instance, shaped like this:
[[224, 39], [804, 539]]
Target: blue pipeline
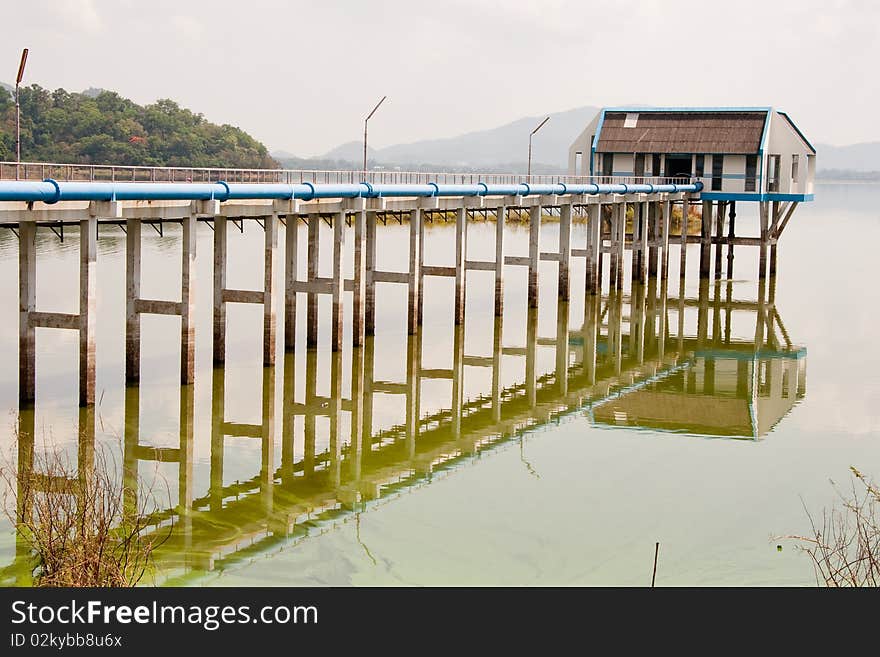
[[51, 191]]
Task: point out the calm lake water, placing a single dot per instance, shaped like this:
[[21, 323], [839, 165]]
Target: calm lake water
[[576, 482]]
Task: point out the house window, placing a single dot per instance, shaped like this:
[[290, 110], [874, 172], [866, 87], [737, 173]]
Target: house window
[[578, 162], [700, 166], [608, 164], [717, 171], [773, 173], [751, 172], [631, 121], [794, 168]]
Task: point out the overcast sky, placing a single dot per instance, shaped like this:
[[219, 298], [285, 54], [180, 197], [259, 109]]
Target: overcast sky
[[300, 76]]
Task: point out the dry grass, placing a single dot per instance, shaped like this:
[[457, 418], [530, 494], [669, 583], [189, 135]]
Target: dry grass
[[76, 523]]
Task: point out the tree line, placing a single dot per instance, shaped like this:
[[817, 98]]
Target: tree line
[[105, 128]]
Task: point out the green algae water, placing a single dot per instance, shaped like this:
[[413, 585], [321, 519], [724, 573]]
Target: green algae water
[[543, 448]]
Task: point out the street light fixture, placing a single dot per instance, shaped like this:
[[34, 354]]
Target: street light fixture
[[365, 134], [24, 54], [540, 125]]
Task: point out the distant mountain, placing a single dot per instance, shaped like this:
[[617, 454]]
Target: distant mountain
[[486, 148], [8, 87], [855, 157]]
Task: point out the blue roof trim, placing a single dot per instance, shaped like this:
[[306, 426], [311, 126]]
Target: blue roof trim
[[798, 130], [596, 141]]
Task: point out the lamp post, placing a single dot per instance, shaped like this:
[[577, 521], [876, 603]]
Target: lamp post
[[365, 134], [540, 125], [24, 54]]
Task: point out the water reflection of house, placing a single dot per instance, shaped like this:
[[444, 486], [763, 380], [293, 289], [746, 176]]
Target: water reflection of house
[[723, 392]]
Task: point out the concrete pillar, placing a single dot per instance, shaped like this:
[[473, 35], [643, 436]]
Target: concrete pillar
[[220, 241], [290, 274], [415, 232], [620, 245], [705, 239], [531, 354], [653, 229], [719, 233], [269, 258], [188, 301], [88, 261], [497, 346], [185, 456], [335, 413], [460, 251], [703, 313], [27, 299], [267, 439], [644, 223], [370, 317], [500, 215], [682, 268], [357, 412], [664, 240], [413, 373], [337, 285], [360, 279], [218, 394], [731, 233], [591, 336], [765, 229], [314, 250], [594, 244], [309, 424], [635, 263], [457, 379], [132, 294], [421, 284], [564, 251], [562, 347], [287, 417], [534, 253], [131, 438], [369, 352]]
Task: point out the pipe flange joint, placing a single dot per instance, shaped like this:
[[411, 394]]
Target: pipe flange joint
[[57, 195]]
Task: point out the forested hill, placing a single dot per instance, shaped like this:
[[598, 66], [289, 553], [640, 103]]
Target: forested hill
[[104, 128]]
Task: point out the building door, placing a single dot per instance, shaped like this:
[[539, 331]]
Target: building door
[[655, 166], [639, 170], [608, 164]]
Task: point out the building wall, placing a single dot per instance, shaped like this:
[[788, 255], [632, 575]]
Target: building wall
[[783, 140], [583, 144]]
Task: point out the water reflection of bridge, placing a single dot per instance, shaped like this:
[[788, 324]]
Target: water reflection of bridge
[[634, 360]]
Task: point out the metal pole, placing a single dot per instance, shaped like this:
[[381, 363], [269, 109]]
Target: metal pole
[[365, 134], [24, 54], [529, 166]]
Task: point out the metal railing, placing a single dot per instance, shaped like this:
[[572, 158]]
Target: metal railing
[[112, 173]]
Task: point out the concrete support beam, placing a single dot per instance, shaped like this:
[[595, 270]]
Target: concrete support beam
[[370, 316], [312, 299], [654, 238], [220, 249], [132, 294], [415, 259], [188, 301], [500, 215], [88, 260], [706, 239], [290, 252], [563, 286], [594, 241], [720, 216], [664, 240], [460, 254], [534, 238], [360, 280], [27, 302], [682, 267], [337, 306], [270, 251], [764, 213]]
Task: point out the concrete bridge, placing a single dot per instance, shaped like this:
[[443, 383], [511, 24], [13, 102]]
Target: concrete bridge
[[629, 213]]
